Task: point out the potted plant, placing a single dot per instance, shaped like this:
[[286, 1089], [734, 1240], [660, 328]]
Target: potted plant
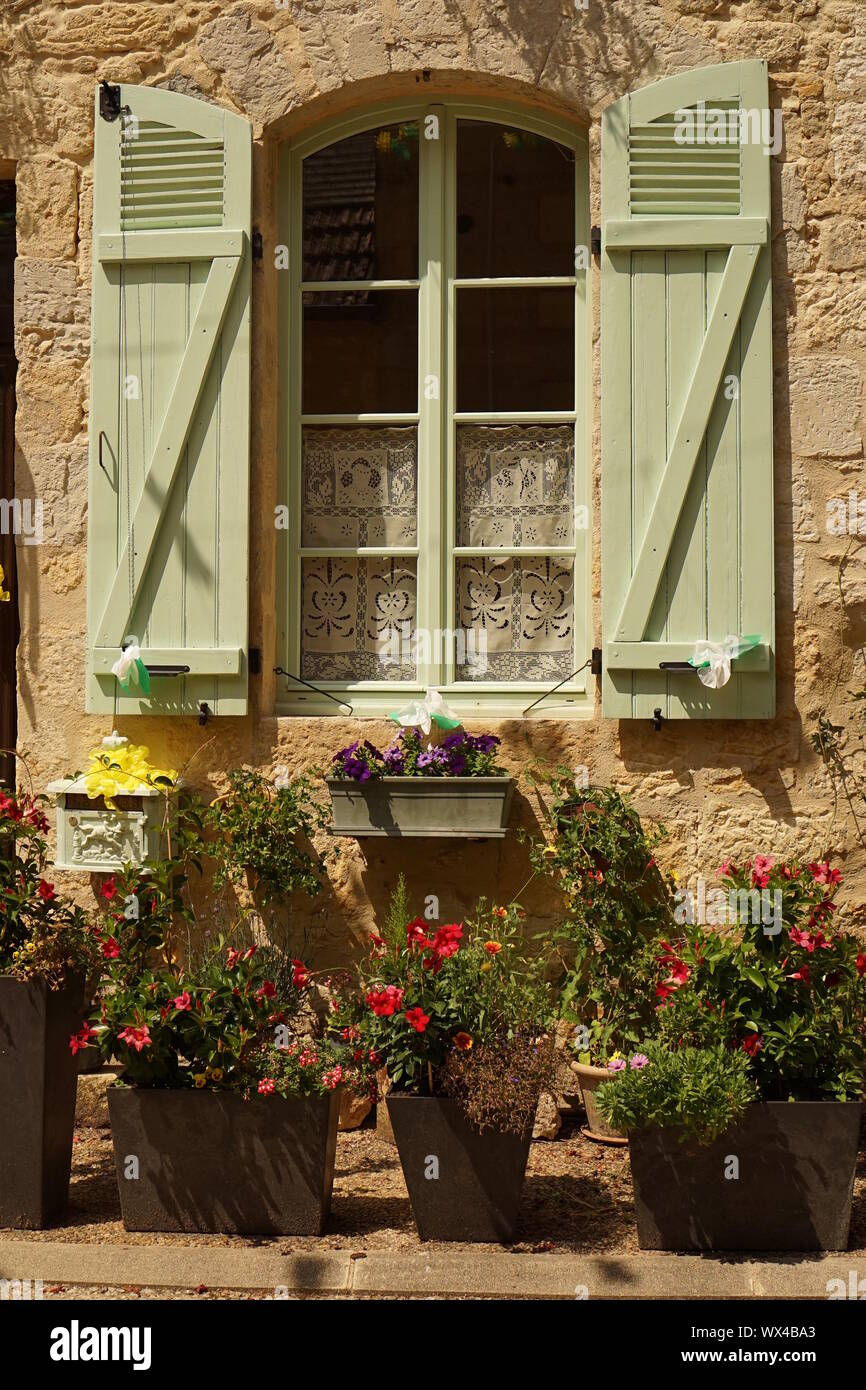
[[617, 904], [459, 1021], [414, 787], [46, 950], [778, 995], [225, 1114], [256, 831]]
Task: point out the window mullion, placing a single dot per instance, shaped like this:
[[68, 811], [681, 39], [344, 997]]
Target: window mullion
[[430, 388]]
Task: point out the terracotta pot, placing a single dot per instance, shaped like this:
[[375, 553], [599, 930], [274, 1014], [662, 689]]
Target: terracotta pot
[[38, 1082], [589, 1079], [792, 1191], [211, 1161], [463, 1184]]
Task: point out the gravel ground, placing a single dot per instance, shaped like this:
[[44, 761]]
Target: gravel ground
[[577, 1199]]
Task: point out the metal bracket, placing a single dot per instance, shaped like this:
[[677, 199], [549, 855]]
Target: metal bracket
[[553, 689], [343, 704], [658, 718], [204, 710], [166, 670], [595, 240], [109, 101], [683, 668]]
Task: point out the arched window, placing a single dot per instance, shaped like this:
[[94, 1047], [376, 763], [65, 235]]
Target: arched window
[[435, 334]]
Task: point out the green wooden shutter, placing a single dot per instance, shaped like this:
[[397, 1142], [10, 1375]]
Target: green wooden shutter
[[169, 412], [687, 473]]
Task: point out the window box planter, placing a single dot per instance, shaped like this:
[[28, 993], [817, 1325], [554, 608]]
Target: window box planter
[[435, 807], [38, 1080], [796, 1178], [475, 1194], [210, 1161], [94, 839]]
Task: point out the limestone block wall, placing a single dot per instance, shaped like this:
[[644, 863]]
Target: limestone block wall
[[726, 788]]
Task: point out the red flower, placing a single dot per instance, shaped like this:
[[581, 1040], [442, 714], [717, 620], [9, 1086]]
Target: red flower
[[802, 974], [822, 873], [182, 1002], [385, 1002], [46, 891], [662, 993], [416, 932], [493, 947], [136, 1037], [232, 958], [377, 942], [861, 963], [267, 991], [266, 1086], [109, 889], [80, 1039], [753, 1044], [110, 948], [445, 943], [300, 975], [417, 1019]]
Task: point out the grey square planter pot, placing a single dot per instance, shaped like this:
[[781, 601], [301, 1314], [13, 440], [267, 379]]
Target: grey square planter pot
[[211, 1161], [472, 1192], [38, 1082], [796, 1178], [437, 807]]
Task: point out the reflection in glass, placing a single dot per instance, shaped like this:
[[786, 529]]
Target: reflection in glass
[[515, 349], [360, 357], [515, 202]]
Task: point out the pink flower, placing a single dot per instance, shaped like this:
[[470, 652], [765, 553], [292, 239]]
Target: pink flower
[[182, 1002], [724, 869], [822, 873], [761, 870], [639, 1061], [616, 1064], [81, 1039], [232, 958], [136, 1037]]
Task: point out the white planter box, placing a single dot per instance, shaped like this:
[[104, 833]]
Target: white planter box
[[92, 839]]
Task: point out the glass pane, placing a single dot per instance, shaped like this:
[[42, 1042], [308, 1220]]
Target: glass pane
[[515, 202], [361, 207], [515, 618], [360, 356], [360, 486], [515, 349], [357, 619], [515, 485]]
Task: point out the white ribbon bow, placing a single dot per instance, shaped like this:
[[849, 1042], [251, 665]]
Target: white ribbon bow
[[126, 661], [418, 714], [719, 656]]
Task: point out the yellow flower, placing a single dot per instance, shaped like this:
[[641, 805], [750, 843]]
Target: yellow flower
[[462, 1041], [488, 965], [5, 596], [549, 850], [215, 1073], [113, 772], [200, 1080]]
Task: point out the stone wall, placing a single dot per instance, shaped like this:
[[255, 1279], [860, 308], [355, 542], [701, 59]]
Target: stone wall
[[724, 788]]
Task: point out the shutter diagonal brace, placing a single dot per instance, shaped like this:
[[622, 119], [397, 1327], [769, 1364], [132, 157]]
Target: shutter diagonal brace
[[670, 498], [168, 450]]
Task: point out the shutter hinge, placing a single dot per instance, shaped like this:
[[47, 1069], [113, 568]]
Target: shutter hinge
[[257, 245], [254, 661], [595, 661], [595, 240], [109, 101]]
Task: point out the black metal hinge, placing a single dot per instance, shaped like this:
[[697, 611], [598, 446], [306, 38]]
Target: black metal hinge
[[254, 659], [109, 101], [257, 245], [595, 661], [595, 240]]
